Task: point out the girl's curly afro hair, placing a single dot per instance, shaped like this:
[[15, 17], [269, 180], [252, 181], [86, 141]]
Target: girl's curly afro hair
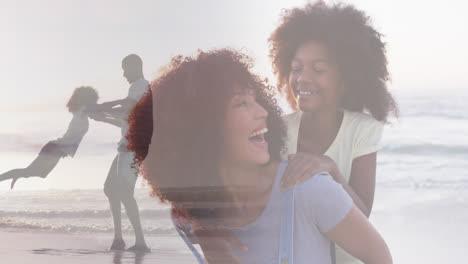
[[354, 44]]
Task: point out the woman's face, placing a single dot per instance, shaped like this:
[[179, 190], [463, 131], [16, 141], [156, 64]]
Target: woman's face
[[243, 130], [314, 79]]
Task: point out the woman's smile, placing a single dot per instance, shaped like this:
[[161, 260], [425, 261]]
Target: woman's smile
[[257, 138]]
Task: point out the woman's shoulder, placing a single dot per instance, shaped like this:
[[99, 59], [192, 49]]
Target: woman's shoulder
[[315, 184], [312, 188], [324, 200]]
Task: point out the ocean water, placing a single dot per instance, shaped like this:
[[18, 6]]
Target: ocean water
[[421, 202], [77, 211]]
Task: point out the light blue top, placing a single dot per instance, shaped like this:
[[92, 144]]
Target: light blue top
[[320, 204]]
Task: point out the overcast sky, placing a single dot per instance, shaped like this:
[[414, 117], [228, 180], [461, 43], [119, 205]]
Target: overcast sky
[[49, 47]]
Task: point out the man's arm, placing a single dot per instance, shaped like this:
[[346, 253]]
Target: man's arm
[[101, 117], [122, 111], [112, 121], [105, 106]]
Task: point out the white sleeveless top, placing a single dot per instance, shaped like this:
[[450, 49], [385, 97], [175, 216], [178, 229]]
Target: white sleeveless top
[[359, 134]]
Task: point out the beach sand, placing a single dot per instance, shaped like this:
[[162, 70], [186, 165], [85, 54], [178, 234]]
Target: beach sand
[[430, 228], [56, 248], [420, 225]]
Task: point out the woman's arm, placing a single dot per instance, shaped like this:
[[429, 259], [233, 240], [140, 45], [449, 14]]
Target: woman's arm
[[356, 235]]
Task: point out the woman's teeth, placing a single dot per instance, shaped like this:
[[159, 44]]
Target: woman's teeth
[[258, 133]]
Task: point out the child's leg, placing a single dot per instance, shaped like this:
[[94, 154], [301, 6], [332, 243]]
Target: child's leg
[[15, 173], [40, 167], [44, 164]]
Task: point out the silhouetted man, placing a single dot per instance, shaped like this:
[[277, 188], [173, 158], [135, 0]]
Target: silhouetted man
[[120, 183]]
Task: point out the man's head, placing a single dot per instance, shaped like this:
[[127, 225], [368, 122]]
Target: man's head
[[132, 66]]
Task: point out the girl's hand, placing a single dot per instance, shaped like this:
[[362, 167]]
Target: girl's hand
[[216, 243], [302, 166]]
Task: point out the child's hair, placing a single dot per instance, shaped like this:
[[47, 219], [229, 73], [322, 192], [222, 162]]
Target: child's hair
[[355, 45], [81, 96]]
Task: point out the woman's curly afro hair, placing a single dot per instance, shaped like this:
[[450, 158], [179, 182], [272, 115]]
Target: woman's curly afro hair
[[177, 127]]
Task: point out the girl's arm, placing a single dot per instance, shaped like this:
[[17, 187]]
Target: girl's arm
[[362, 182], [356, 235], [361, 185]]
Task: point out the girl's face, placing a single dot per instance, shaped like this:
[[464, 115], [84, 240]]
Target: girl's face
[[243, 130], [314, 79]]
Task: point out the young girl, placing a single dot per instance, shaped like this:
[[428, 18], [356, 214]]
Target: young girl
[[331, 65], [67, 145], [214, 154]]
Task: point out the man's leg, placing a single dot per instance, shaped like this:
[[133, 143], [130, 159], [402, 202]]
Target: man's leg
[[112, 193], [128, 176], [133, 213]]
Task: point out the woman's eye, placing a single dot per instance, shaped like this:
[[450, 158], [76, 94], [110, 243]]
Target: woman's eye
[[295, 69], [241, 104], [319, 70]]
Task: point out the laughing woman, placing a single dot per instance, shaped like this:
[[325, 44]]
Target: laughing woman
[[214, 156]]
